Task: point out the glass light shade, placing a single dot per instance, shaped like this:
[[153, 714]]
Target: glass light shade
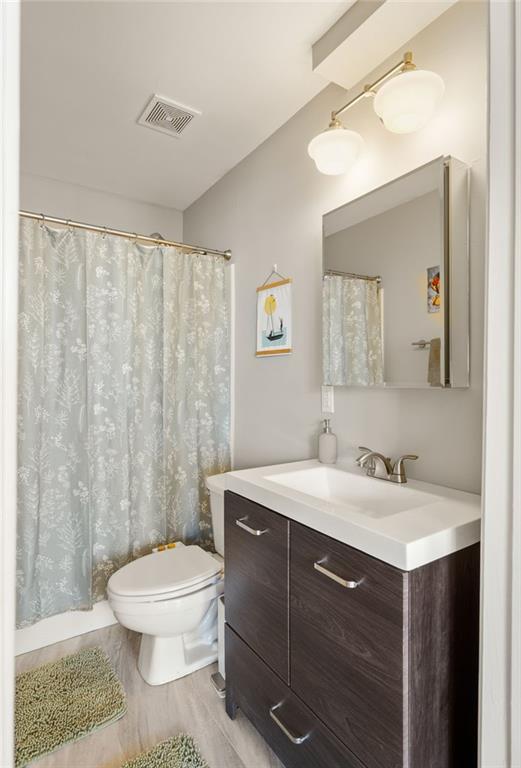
[[335, 150], [407, 102]]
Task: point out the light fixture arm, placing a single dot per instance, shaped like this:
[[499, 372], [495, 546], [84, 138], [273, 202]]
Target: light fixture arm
[[405, 65]]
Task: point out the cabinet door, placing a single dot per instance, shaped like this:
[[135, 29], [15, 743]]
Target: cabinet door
[[290, 728], [256, 579], [348, 643]]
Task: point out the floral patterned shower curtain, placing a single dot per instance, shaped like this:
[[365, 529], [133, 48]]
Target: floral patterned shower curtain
[[351, 331], [124, 408]]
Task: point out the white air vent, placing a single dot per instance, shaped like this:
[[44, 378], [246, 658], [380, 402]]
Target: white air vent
[[166, 116]]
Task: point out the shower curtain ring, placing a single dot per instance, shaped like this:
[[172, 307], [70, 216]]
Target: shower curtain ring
[[68, 225], [104, 233], [42, 222]]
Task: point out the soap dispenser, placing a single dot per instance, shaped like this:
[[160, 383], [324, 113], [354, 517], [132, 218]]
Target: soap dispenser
[[327, 445]]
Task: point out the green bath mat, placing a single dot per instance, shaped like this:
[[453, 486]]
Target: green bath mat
[[64, 700], [179, 752]]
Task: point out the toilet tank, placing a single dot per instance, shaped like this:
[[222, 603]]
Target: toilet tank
[[216, 485]]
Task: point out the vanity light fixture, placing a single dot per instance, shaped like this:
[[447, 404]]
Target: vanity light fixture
[[335, 149], [404, 104]]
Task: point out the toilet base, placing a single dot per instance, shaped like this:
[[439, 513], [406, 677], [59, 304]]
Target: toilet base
[[163, 659]]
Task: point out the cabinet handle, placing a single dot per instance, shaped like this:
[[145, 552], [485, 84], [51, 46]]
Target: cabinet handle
[[285, 731], [253, 531], [330, 575]]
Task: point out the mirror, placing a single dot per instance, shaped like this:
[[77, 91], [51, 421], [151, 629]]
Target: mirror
[[395, 307]]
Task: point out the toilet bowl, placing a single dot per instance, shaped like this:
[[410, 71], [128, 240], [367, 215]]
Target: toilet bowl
[[170, 597]]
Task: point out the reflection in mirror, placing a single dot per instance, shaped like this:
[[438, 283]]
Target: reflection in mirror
[[353, 337], [395, 283]]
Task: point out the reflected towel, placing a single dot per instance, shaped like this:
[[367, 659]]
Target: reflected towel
[[434, 374]]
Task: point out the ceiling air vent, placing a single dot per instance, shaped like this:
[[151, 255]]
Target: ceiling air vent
[[166, 116]]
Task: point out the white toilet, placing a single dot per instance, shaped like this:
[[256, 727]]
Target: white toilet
[[171, 598]]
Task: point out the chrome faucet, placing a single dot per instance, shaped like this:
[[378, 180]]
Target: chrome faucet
[[394, 471]]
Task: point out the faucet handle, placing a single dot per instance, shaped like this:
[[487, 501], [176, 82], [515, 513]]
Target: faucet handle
[[398, 474], [365, 452]]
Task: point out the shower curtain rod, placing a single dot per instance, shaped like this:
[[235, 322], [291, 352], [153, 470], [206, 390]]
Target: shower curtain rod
[[338, 272], [120, 233]]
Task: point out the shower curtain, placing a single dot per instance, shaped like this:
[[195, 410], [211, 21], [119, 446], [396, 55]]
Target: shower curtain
[[124, 408], [351, 331]]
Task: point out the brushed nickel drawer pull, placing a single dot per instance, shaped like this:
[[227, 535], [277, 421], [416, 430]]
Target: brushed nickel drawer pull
[[253, 531], [285, 731], [339, 580]]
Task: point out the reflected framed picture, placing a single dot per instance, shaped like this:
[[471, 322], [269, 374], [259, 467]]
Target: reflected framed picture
[[274, 318], [433, 289]]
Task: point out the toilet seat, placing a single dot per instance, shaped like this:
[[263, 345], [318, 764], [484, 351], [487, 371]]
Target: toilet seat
[[165, 606], [162, 576]]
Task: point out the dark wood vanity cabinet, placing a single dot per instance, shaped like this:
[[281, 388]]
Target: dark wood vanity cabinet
[[342, 660], [257, 594], [354, 635], [299, 738]]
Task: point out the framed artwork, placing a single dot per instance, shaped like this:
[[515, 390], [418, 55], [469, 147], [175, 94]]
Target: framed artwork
[[274, 318], [433, 289]]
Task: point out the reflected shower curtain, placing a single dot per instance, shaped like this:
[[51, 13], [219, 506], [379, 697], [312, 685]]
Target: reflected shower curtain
[[124, 408], [351, 331]]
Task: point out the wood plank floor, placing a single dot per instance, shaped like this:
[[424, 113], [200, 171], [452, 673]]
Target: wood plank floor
[[188, 705]]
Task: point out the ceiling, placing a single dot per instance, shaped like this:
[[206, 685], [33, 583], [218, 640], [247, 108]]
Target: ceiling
[[89, 68]]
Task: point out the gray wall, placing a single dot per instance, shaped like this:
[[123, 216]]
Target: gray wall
[[71, 201], [269, 209]]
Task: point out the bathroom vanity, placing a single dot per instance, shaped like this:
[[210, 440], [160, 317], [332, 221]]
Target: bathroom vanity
[[352, 617]]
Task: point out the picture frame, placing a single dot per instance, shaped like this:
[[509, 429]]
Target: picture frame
[[274, 319], [433, 289]]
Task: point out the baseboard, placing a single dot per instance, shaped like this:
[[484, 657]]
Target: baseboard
[[62, 627]]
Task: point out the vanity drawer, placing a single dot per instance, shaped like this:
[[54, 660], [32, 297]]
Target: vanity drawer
[[252, 687], [348, 639], [257, 556]]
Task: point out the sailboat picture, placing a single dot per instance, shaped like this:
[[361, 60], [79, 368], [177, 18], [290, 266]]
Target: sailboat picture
[[274, 318]]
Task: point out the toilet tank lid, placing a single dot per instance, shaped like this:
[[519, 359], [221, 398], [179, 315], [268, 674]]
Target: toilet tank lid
[[216, 483], [163, 572]]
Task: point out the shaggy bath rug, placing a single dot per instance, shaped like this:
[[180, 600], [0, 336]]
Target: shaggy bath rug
[[179, 752], [64, 700]]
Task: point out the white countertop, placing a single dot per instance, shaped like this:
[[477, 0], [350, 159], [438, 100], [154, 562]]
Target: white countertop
[[406, 525]]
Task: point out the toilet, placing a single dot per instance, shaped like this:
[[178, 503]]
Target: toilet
[[170, 597]]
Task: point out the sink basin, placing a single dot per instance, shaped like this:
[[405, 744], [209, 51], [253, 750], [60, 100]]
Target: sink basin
[[366, 495]]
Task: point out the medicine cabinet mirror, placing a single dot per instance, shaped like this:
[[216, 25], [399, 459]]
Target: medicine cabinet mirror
[[395, 287]]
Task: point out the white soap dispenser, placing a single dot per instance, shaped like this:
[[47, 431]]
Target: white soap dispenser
[[327, 445]]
